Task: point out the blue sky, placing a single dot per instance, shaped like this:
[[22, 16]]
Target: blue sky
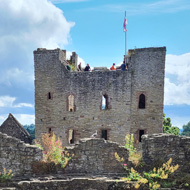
[[94, 29]]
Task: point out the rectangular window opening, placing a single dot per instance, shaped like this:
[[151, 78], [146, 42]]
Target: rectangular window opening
[[141, 133], [105, 134], [50, 131], [49, 95], [71, 136]]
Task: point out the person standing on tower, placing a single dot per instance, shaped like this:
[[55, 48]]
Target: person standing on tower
[[79, 67], [123, 66], [87, 68], [68, 66], [113, 67]]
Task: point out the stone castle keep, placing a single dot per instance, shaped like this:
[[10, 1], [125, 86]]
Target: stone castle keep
[[69, 103]]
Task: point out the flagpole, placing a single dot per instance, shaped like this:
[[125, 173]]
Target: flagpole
[[125, 30], [125, 39]]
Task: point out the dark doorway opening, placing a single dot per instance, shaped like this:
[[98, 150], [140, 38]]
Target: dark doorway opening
[[105, 134], [141, 133]]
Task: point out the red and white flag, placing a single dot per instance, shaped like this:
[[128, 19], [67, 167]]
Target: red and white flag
[[125, 24]]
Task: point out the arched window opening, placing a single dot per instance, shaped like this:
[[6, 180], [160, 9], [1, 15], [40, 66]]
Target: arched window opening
[[49, 96], [71, 136], [142, 101], [141, 133], [105, 102], [71, 103]]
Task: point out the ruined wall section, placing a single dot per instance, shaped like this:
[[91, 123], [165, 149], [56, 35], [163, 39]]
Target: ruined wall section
[[17, 156], [96, 157], [159, 148], [148, 71], [87, 89]]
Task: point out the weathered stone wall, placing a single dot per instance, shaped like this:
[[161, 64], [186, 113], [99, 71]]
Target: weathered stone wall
[[121, 87], [96, 157], [159, 148], [17, 156], [148, 71]]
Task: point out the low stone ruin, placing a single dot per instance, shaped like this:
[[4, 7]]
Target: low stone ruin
[[93, 166]]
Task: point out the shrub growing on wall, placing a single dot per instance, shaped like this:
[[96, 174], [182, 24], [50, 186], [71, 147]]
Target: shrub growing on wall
[[151, 178], [53, 151], [5, 176]]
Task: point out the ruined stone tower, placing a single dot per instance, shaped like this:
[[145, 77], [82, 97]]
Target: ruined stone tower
[[69, 103]]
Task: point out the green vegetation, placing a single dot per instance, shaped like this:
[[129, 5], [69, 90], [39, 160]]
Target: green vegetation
[[129, 144], [31, 130], [186, 129], [153, 178], [73, 68], [53, 150], [167, 126], [134, 156], [5, 176]]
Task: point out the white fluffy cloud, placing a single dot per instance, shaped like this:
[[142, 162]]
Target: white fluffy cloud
[[7, 101], [24, 119], [25, 26], [179, 65], [177, 81]]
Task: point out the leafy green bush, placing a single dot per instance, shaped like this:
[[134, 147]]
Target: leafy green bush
[[53, 150], [4, 177], [151, 178]]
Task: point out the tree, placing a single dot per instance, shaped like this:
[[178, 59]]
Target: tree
[[31, 130], [186, 129], [167, 126]]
